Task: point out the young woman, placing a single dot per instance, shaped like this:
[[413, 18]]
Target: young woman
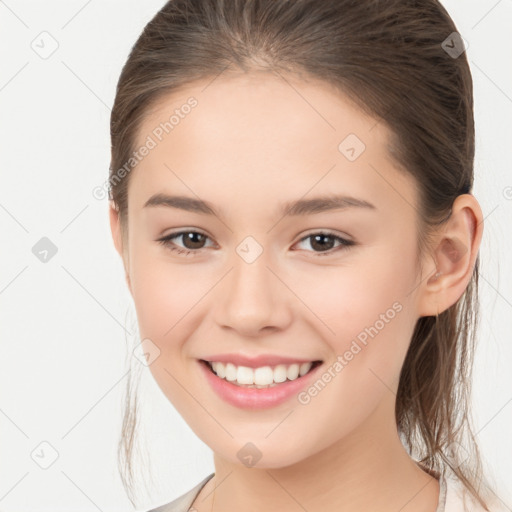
[[291, 196]]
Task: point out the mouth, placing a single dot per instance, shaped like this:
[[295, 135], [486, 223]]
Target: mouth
[[261, 377]]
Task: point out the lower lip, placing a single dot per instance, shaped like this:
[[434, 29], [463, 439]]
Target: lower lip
[[254, 398]]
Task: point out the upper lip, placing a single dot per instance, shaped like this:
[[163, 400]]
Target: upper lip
[[256, 361]]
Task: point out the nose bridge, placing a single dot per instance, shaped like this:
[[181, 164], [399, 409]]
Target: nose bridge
[[250, 298]]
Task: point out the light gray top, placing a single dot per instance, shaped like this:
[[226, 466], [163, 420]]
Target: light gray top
[[184, 502]]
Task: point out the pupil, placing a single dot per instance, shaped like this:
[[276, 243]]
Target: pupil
[[190, 238], [322, 237]]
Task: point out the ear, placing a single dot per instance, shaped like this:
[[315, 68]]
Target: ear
[[116, 229], [455, 252]]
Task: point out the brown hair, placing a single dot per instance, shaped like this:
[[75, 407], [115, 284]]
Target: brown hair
[[387, 56]]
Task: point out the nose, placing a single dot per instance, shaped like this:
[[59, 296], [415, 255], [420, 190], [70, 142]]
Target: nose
[[253, 298]]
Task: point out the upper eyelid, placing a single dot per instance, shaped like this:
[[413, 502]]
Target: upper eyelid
[[176, 234]]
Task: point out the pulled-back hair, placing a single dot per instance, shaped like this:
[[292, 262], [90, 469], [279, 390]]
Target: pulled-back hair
[[388, 57]]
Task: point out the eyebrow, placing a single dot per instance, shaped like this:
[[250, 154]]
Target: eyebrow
[[291, 208]]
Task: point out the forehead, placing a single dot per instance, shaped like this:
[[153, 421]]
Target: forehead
[[262, 135], [263, 107]]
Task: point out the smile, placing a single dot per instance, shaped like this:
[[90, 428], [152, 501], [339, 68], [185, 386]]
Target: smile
[[247, 394], [261, 377]]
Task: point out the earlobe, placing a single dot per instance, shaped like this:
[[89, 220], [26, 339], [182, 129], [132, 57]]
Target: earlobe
[[455, 255]]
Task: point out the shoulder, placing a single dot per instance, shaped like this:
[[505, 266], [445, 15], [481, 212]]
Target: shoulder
[[459, 499], [184, 502]]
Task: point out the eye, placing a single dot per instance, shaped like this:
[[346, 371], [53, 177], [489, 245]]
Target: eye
[[320, 240], [193, 241]]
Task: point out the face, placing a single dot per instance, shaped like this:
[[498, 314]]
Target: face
[[257, 278]]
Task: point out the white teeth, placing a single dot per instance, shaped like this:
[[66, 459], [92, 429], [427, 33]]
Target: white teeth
[[261, 377], [244, 375], [304, 368], [230, 371], [280, 373], [293, 371], [219, 369]]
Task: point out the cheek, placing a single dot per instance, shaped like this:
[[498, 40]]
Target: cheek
[[167, 300], [367, 321], [164, 293], [365, 311]]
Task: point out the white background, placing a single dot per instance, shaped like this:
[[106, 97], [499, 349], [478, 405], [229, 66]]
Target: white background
[[65, 324]]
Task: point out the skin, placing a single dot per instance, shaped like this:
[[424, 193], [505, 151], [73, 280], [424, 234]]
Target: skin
[[253, 142]]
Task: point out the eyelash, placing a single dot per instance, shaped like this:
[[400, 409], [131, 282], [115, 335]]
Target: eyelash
[[166, 242]]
